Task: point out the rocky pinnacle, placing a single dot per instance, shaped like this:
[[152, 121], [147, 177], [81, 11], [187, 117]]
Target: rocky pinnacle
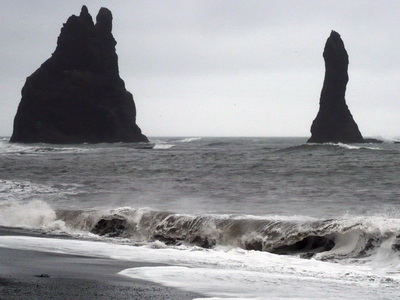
[[77, 95], [334, 122]]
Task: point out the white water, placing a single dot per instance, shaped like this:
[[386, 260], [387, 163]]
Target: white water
[[232, 273], [37, 149], [162, 146], [33, 214], [190, 139]]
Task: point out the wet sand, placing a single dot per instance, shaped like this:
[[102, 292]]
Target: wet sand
[[26, 274]]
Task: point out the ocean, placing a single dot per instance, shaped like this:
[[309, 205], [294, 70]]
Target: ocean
[[229, 218]]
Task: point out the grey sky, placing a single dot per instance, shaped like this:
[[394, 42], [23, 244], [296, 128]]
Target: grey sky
[[223, 68]]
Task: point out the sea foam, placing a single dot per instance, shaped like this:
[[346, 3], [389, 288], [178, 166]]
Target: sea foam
[[35, 214], [234, 273]]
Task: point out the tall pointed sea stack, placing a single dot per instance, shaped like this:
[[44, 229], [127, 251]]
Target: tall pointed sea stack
[[334, 122], [77, 96]]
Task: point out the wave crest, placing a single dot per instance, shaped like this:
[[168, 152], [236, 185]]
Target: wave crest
[[326, 146], [333, 239], [348, 237]]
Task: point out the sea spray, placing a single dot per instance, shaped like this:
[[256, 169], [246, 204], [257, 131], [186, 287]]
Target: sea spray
[[35, 214]]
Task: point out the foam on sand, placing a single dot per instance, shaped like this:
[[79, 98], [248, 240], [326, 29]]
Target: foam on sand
[[231, 273]]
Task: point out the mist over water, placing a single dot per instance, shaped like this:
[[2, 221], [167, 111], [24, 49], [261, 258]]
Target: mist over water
[[334, 205]]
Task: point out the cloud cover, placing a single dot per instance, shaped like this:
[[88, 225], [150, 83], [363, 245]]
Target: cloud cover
[[223, 68]]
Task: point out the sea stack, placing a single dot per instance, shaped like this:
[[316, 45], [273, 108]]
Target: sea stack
[[334, 122], [77, 95]]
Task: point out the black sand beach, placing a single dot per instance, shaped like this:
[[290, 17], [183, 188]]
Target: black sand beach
[[26, 274]]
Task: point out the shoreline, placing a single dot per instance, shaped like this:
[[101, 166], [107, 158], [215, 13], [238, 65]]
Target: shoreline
[[28, 274]]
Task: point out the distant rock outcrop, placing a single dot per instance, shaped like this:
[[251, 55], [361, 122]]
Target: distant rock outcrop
[[334, 122], [77, 96]]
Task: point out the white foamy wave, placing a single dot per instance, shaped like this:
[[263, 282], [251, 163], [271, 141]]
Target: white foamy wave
[[163, 146], [34, 214], [372, 240], [160, 144], [241, 284], [352, 147], [20, 190], [39, 149], [346, 146], [190, 139], [235, 273], [294, 218], [347, 240], [63, 149], [26, 189]]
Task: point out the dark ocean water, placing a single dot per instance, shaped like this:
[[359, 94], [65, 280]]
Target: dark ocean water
[[258, 176], [333, 203]]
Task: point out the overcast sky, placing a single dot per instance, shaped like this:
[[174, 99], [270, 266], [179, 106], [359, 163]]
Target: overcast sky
[[223, 68]]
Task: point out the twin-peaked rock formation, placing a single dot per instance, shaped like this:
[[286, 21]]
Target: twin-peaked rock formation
[[77, 96]]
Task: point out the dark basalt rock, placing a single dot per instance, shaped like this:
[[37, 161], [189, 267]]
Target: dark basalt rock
[[77, 96], [334, 122]]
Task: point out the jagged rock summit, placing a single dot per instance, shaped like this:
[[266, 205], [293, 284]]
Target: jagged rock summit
[[77, 96], [334, 122]]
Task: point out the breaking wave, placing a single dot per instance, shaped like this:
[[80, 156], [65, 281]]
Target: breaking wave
[[344, 238], [190, 139], [353, 147], [326, 146], [354, 238], [167, 144], [38, 149], [45, 149], [161, 146]]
